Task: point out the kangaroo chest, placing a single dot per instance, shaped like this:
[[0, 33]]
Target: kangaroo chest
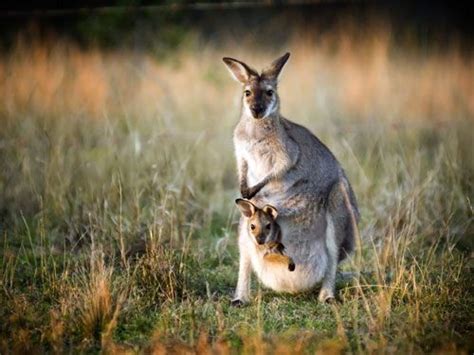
[[261, 155]]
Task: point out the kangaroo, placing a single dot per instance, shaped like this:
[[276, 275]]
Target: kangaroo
[[265, 232], [283, 164]]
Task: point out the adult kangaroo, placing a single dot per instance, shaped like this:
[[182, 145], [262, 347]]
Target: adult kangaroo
[[283, 164]]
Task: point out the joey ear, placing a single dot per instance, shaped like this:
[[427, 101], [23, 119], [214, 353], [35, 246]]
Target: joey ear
[[239, 70], [272, 211], [273, 72], [246, 207]]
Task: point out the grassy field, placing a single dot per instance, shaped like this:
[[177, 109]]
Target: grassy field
[[117, 182]]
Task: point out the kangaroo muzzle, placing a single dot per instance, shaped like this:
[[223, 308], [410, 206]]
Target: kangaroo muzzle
[[257, 111]]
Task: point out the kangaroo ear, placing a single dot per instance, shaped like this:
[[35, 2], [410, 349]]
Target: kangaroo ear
[[239, 70], [247, 208], [273, 72], [272, 211]]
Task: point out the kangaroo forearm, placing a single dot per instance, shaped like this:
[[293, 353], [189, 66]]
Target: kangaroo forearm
[[243, 183], [243, 171], [249, 192], [252, 191]]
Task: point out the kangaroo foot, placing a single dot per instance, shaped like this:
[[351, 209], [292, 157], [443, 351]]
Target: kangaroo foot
[[237, 303], [326, 296]]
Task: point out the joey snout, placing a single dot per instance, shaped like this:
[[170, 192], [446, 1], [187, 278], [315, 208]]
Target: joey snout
[[261, 239]]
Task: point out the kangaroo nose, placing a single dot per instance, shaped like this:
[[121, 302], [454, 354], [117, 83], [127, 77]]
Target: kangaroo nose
[[257, 110]]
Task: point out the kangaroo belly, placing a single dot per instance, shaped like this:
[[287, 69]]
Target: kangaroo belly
[[310, 264], [279, 278]]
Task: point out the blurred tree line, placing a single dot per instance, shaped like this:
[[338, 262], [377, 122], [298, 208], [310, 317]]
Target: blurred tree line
[[161, 26]]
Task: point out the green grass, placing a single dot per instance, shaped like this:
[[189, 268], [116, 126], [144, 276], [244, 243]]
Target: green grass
[[118, 233]]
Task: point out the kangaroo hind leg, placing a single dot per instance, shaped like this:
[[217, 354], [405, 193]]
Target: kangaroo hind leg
[[341, 232], [329, 281]]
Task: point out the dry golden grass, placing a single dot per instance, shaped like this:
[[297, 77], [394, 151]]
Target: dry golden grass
[[337, 75]]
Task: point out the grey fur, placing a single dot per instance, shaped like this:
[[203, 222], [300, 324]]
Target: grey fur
[[283, 164]]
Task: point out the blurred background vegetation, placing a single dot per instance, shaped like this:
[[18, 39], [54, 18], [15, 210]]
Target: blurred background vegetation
[[117, 176], [163, 25]]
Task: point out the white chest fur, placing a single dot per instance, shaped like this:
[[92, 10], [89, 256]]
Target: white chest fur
[[259, 159]]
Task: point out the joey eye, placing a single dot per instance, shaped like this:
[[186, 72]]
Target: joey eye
[[270, 93], [247, 93], [268, 226], [252, 226]]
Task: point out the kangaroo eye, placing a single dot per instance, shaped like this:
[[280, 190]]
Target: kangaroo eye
[[270, 93], [247, 93], [252, 226], [268, 226]]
